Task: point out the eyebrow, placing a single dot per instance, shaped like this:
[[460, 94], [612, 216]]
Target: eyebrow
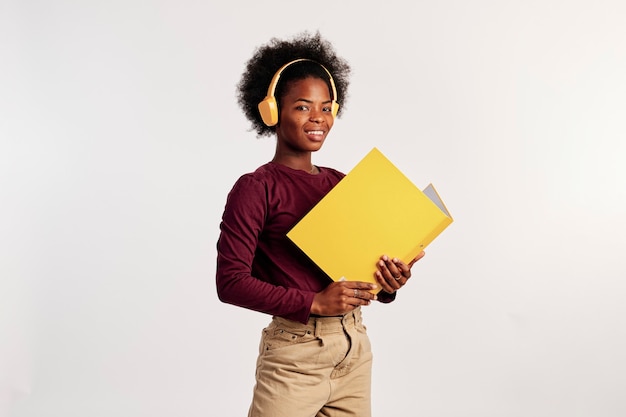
[[311, 101]]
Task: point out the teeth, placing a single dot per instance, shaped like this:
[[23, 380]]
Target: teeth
[[315, 132]]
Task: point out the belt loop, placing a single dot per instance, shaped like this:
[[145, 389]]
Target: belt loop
[[346, 318], [318, 327]]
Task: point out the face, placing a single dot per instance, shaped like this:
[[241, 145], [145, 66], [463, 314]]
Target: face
[[305, 116]]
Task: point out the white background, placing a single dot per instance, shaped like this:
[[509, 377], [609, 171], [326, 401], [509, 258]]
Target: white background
[[121, 136]]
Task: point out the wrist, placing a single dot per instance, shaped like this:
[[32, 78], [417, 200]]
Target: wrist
[[315, 305]]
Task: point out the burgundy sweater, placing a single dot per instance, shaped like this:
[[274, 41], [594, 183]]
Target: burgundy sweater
[[258, 267]]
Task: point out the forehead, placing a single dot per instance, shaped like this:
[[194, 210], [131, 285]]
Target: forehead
[[310, 86]]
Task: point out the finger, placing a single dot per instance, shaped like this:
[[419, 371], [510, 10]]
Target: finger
[[361, 285], [394, 283], [417, 258], [393, 266], [383, 283], [363, 293], [387, 282], [405, 270], [390, 273], [359, 298]]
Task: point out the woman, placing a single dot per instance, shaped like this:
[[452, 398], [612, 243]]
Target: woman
[[314, 357]]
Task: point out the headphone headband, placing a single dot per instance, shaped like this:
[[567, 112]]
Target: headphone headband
[[269, 106]]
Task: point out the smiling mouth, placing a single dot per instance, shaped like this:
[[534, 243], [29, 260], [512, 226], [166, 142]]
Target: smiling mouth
[[315, 132]]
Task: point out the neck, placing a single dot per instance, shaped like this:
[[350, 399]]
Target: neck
[[311, 169], [300, 161]]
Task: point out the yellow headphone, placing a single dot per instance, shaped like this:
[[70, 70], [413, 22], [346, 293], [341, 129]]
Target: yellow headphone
[[269, 107]]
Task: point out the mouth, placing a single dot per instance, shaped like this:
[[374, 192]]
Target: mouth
[[315, 133]]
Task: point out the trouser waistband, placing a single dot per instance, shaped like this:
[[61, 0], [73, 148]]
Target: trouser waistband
[[320, 325]]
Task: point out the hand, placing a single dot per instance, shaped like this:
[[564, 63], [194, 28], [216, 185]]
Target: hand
[[342, 297], [393, 274]]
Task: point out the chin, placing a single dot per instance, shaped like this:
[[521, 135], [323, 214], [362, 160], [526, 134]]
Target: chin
[[316, 147]]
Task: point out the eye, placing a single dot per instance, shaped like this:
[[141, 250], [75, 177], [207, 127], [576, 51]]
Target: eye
[[327, 109], [302, 107]]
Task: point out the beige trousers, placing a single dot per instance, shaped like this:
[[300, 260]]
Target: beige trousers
[[319, 369]]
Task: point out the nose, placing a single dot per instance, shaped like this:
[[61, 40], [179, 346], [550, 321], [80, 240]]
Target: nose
[[316, 116]]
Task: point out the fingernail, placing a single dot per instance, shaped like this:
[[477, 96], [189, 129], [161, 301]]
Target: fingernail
[[385, 258]]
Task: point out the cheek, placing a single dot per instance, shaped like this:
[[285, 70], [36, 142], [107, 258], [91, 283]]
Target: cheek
[[289, 126], [293, 123], [330, 121], [286, 122]]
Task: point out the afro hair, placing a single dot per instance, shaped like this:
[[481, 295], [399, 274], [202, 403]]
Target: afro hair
[[268, 58]]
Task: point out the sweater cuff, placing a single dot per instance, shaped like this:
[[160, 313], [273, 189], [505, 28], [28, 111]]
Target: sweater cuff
[[385, 297]]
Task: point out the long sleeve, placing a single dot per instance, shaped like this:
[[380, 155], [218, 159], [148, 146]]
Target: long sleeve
[[242, 226]]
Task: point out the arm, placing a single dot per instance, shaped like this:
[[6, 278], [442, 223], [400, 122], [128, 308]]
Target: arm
[[242, 223]]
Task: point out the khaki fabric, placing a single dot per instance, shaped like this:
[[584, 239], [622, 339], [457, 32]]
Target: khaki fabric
[[318, 369]]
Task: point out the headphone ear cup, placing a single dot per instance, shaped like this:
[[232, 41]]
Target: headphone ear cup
[[334, 108], [268, 109]]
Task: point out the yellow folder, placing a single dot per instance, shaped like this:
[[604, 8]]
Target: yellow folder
[[374, 210]]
